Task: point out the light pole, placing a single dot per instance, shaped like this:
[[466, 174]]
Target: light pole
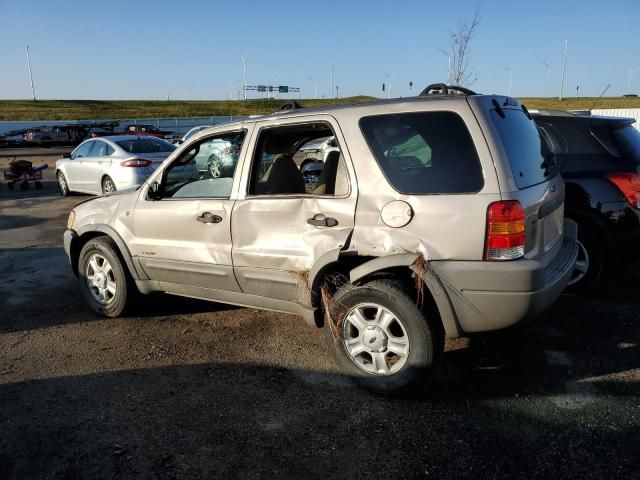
[[33, 91], [332, 72], [546, 90], [315, 87], [564, 68], [508, 69], [448, 55], [388, 84], [244, 76], [628, 80]]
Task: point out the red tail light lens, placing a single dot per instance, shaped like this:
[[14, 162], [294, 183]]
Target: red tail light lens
[[505, 231], [628, 184], [136, 162]]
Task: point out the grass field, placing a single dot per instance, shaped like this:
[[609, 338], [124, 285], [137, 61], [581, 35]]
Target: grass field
[[17, 110]]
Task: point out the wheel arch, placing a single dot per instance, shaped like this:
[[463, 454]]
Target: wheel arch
[[358, 270], [88, 232]]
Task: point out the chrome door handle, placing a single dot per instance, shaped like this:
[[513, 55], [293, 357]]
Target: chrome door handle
[[208, 217]]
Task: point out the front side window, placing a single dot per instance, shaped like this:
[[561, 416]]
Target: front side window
[[298, 160], [83, 150], [205, 170], [424, 152]]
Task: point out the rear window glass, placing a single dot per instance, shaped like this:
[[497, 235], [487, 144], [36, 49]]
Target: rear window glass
[[628, 141], [425, 152], [525, 148], [146, 145]]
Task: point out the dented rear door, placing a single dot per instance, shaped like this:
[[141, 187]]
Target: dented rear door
[[277, 239]]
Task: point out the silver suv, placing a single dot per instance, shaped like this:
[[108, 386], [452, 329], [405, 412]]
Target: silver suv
[[434, 217]]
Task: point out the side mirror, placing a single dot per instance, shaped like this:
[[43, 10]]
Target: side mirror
[[66, 155], [154, 191]]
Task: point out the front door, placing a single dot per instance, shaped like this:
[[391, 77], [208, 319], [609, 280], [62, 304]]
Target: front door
[[77, 169], [182, 232], [283, 220]]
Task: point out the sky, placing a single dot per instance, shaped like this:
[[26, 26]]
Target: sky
[[191, 49]]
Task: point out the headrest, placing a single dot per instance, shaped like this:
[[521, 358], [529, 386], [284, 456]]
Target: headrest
[[278, 144]]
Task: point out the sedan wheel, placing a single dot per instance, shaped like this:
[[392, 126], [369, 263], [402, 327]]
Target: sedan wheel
[[62, 184], [108, 186]]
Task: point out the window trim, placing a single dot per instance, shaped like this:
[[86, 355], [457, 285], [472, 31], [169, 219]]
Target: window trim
[[390, 183], [280, 196], [184, 152]]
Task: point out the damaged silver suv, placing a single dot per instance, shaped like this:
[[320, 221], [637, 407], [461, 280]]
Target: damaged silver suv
[[432, 217]]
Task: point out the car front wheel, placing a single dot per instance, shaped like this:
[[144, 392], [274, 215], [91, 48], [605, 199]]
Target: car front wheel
[[380, 337], [63, 186], [106, 284]]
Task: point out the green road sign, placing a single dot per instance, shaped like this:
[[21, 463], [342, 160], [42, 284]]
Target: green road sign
[[283, 89]]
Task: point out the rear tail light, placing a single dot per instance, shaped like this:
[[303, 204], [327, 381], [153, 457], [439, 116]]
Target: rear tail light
[[628, 184], [136, 162], [505, 231]]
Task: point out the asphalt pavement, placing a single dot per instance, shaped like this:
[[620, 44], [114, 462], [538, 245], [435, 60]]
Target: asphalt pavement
[[189, 389]]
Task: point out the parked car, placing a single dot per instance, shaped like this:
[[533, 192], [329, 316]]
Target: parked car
[[434, 216], [49, 135], [599, 159], [149, 131], [108, 164]]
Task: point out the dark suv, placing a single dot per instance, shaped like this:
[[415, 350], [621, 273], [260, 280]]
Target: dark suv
[[599, 159]]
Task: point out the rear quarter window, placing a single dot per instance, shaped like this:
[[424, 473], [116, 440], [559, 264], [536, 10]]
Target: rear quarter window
[[424, 152], [529, 156]]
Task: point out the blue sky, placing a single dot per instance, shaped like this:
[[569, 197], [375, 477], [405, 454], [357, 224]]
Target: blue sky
[[150, 49]]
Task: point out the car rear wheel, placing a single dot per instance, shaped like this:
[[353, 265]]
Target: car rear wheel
[[106, 284], [380, 337], [108, 186], [590, 263], [63, 186]]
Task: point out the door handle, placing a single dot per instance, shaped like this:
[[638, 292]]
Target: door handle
[[321, 220], [208, 217]]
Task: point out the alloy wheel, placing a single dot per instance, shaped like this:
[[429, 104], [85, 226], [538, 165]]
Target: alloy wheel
[[375, 339], [582, 265], [101, 279]]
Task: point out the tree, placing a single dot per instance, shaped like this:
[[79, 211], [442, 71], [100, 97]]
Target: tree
[[459, 40]]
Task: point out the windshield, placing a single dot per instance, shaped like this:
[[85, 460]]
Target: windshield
[[146, 145], [531, 160]]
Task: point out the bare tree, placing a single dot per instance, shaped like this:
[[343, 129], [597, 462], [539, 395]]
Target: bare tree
[[459, 40]]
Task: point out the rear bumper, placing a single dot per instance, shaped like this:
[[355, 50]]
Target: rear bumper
[[493, 295]]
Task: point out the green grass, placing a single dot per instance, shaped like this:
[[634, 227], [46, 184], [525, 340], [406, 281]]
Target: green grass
[[115, 109], [17, 110]]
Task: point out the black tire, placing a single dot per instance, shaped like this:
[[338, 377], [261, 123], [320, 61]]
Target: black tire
[[424, 337], [125, 286], [108, 185], [63, 186], [38, 185], [11, 186], [592, 249], [24, 186]]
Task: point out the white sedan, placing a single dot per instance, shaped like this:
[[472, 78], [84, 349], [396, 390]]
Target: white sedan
[[107, 164]]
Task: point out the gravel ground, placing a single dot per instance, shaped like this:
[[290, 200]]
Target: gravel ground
[[189, 389]]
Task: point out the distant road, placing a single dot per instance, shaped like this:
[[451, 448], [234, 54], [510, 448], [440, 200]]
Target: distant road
[[33, 152]]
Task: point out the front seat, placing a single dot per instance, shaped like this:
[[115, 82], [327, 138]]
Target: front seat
[[284, 177]]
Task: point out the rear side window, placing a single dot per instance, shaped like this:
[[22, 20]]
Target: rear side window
[[425, 152], [146, 145], [530, 158]]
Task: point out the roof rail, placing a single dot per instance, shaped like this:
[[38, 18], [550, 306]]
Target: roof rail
[[443, 89], [289, 105]]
